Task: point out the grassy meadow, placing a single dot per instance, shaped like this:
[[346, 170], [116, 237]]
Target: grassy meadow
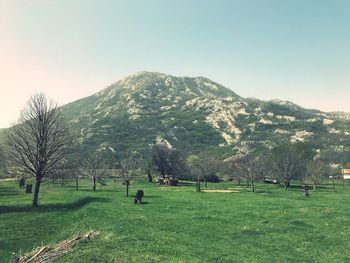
[[176, 224]]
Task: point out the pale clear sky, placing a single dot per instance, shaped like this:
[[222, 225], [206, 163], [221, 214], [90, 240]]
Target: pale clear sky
[[297, 50]]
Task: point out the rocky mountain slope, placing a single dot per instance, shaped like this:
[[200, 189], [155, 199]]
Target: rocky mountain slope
[[196, 115]]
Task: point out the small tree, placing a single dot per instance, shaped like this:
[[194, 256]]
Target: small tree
[[249, 168], [161, 158], [147, 167], [3, 166], [177, 166], [204, 167], [38, 141], [315, 170], [60, 171], [168, 161], [74, 170], [232, 172], [289, 161], [192, 164], [128, 167], [75, 174], [67, 169], [94, 167]]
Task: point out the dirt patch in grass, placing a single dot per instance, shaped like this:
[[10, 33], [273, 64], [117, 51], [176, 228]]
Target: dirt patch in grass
[[221, 191]]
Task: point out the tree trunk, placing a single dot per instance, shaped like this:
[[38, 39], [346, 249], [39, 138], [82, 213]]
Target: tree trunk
[[314, 185], [76, 183], [205, 182], [127, 188], [198, 186], [149, 177], [62, 181], [252, 185], [286, 186], [36, 191], [306, 190], [94, 186]]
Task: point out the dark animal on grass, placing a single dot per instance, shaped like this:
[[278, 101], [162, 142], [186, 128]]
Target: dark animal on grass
[[138, 196]]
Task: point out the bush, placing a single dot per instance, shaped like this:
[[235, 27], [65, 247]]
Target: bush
[[213, 178], [168, 181], [173, 182]]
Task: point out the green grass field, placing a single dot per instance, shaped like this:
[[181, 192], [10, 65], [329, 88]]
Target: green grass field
[[176, 224]]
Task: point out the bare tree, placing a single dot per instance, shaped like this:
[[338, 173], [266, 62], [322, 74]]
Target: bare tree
[[232, 172], [94, 167], [67, 169], [75, 172], [2, 157], [289, 161], [192, 164], [60, 172], [3, 168], [315, 170], [39, 140], [204, 167], [249, 168], [128, 167]]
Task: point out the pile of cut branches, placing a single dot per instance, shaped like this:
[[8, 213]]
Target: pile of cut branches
[[52, 252]]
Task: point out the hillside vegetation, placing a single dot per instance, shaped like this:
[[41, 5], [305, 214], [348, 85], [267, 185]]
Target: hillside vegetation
[[197, 115]]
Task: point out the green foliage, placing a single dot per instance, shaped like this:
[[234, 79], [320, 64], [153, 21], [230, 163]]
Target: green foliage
[[204, 167], [169, 161]]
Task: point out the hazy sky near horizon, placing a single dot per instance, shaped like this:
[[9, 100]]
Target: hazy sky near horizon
[[298, 50]]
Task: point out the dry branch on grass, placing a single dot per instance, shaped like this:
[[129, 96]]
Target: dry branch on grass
[[52, 252]]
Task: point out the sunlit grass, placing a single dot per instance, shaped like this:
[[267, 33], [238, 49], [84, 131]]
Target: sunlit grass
[[176, 224]]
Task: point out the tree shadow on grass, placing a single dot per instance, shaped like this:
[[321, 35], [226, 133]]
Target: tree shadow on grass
[[299, 187], [187, 184], [9, 191], [143, 203], [98, 190], [153, 196], [53, 207]]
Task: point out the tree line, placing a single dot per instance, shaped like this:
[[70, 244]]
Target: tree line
[[41, 145]]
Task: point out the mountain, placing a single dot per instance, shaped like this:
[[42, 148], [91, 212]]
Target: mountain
[[196, 115], [143, 108]]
